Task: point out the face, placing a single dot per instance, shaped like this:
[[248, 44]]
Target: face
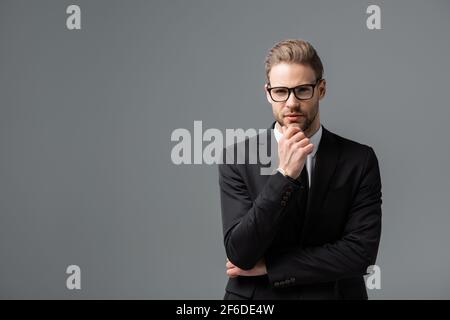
[[294, 112]]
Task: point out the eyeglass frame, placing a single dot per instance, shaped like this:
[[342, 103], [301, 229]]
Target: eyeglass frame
[[313, 85]]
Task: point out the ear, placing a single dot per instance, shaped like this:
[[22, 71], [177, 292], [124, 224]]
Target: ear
[[322, 89], [269, 99]]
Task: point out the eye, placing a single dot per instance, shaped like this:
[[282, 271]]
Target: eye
[[279, 91], [303, 89]]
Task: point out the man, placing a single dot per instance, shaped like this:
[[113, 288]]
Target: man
[[312, 228]]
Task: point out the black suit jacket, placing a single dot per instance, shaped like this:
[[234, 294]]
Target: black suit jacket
[[328, 253]]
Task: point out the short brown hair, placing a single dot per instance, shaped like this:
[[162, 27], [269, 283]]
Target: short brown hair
[[294, 51]]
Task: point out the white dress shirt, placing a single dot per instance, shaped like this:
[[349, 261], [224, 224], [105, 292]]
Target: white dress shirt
[[311, 158]]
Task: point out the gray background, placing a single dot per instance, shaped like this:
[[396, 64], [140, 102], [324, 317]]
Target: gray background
[[86, 118]]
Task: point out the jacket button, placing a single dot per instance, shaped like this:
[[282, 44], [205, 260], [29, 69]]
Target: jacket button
[[283, 203]]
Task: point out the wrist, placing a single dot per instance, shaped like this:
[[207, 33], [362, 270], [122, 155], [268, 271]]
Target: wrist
[[287, 176], [285, 173], [282, 171]]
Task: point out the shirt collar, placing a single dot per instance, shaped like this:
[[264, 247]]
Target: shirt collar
[[314, 139]]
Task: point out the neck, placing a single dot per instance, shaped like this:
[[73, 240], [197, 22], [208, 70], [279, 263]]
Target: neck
[[312, 129]]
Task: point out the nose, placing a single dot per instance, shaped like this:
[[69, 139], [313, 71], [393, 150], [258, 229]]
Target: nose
[[292, 102]]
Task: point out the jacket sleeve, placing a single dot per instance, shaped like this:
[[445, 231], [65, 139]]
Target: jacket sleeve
[[349, 256], [250, 226]]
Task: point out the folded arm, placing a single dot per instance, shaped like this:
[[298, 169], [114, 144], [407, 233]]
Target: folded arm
[[250, 226]]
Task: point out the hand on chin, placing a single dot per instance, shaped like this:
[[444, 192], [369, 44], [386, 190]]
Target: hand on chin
[[292, 124]]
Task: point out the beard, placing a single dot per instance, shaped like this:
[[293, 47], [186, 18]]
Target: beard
[[304, 123]]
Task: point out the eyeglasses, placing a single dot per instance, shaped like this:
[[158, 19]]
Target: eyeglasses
[[302, 92]]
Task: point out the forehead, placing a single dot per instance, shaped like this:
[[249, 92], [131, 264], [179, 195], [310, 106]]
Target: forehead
[[291, 75]]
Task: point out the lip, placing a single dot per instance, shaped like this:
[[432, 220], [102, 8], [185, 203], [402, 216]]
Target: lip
[[293, 116]]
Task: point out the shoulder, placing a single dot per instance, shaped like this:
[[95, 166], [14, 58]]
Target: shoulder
[[351, 150]]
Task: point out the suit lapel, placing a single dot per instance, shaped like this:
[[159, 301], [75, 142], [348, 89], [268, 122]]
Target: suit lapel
[[326, 161]]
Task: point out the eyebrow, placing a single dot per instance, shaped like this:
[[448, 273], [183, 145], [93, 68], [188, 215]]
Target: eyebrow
[[293, 86]]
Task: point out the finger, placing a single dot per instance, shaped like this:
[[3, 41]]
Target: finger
[[233, 272], [245, 273], [303, 149], [309, 148], [298, 136], [291, 131], [302, 143], [230, 265], [306, 149]]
